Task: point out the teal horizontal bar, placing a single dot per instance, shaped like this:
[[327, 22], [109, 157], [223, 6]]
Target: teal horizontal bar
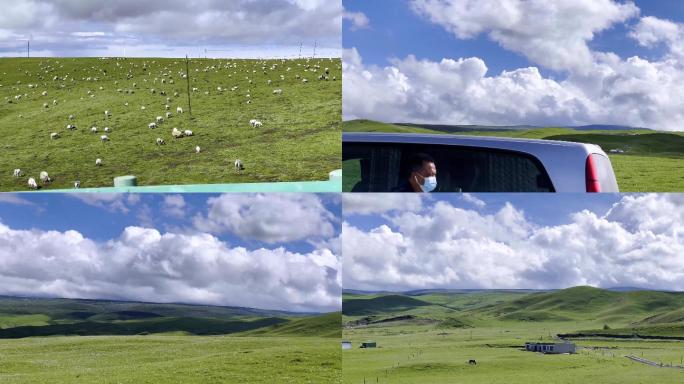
[[333, 185]]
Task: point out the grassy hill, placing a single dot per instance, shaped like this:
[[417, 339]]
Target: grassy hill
[[577, 304], [327, 325], [653, 161], [27, 317], [299, 139], [386, 303], [587, 303], [432, 336]]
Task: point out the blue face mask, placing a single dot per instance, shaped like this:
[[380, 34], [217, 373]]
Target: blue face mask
[[429, 184]]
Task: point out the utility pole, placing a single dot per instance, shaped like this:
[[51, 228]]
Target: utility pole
[[315, 45], [187, 78], [300, 50], [28, 49]]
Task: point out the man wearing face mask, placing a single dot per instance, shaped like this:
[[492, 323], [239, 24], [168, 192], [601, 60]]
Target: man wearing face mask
[[423, 177]]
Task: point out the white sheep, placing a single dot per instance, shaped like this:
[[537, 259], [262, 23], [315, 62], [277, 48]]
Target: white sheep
[[152, 125], [277, 91], [168, 115], [54, 135], [17, 172], [77, 184], [107, 114], [187, 132], [238, 165], [257, 124], [142, 108], [104, 138], [32, 183], [160, 141], [179, 110], [70, 127], [93, 129], [98, 162], [197, 149], [71, 117], [176, 133], [44, 177], [107, 129], [167, 107], [160, 119]]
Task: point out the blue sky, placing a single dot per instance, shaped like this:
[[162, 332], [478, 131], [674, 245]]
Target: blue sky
[[272, 251], [102, 221], [396, 31]]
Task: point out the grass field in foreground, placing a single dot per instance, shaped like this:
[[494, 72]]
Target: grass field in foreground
[[100, 341], [170, 359], [299, 139], [433, 340], [652, 162]]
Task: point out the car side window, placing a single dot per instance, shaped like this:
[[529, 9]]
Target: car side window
[[382, 167], [370, 168]]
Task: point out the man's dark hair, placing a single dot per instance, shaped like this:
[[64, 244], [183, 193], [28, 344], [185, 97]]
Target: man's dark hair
[[416, 161]]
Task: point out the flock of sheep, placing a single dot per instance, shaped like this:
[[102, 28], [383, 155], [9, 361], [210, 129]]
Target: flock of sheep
[[163, 80]]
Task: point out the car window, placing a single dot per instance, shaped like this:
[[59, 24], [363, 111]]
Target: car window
[[382, 167]]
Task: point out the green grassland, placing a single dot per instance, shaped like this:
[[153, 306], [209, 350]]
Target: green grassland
[[431, 337], [91, 341], [170, 359], [299, 139], [653, 161]]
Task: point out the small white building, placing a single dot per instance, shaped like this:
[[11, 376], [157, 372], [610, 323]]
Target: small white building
[[346, 345], [550, 348]]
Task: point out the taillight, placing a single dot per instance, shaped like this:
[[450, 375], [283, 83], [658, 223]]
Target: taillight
[[591, 175]]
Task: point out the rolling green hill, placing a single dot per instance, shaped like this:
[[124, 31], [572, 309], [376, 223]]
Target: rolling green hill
[[652, 162], [193, 326], [578, 304], [299, 139], [327, 325], [432, 339], [28, 317], [587, 303], [386, 303]]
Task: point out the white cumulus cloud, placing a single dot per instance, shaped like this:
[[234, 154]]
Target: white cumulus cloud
[[270, 218], [637, 243], [595, 88], [355, 203], [147, 265]]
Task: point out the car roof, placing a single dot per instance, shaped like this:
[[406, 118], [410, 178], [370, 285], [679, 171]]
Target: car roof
[[564, 161], [465, 140]]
